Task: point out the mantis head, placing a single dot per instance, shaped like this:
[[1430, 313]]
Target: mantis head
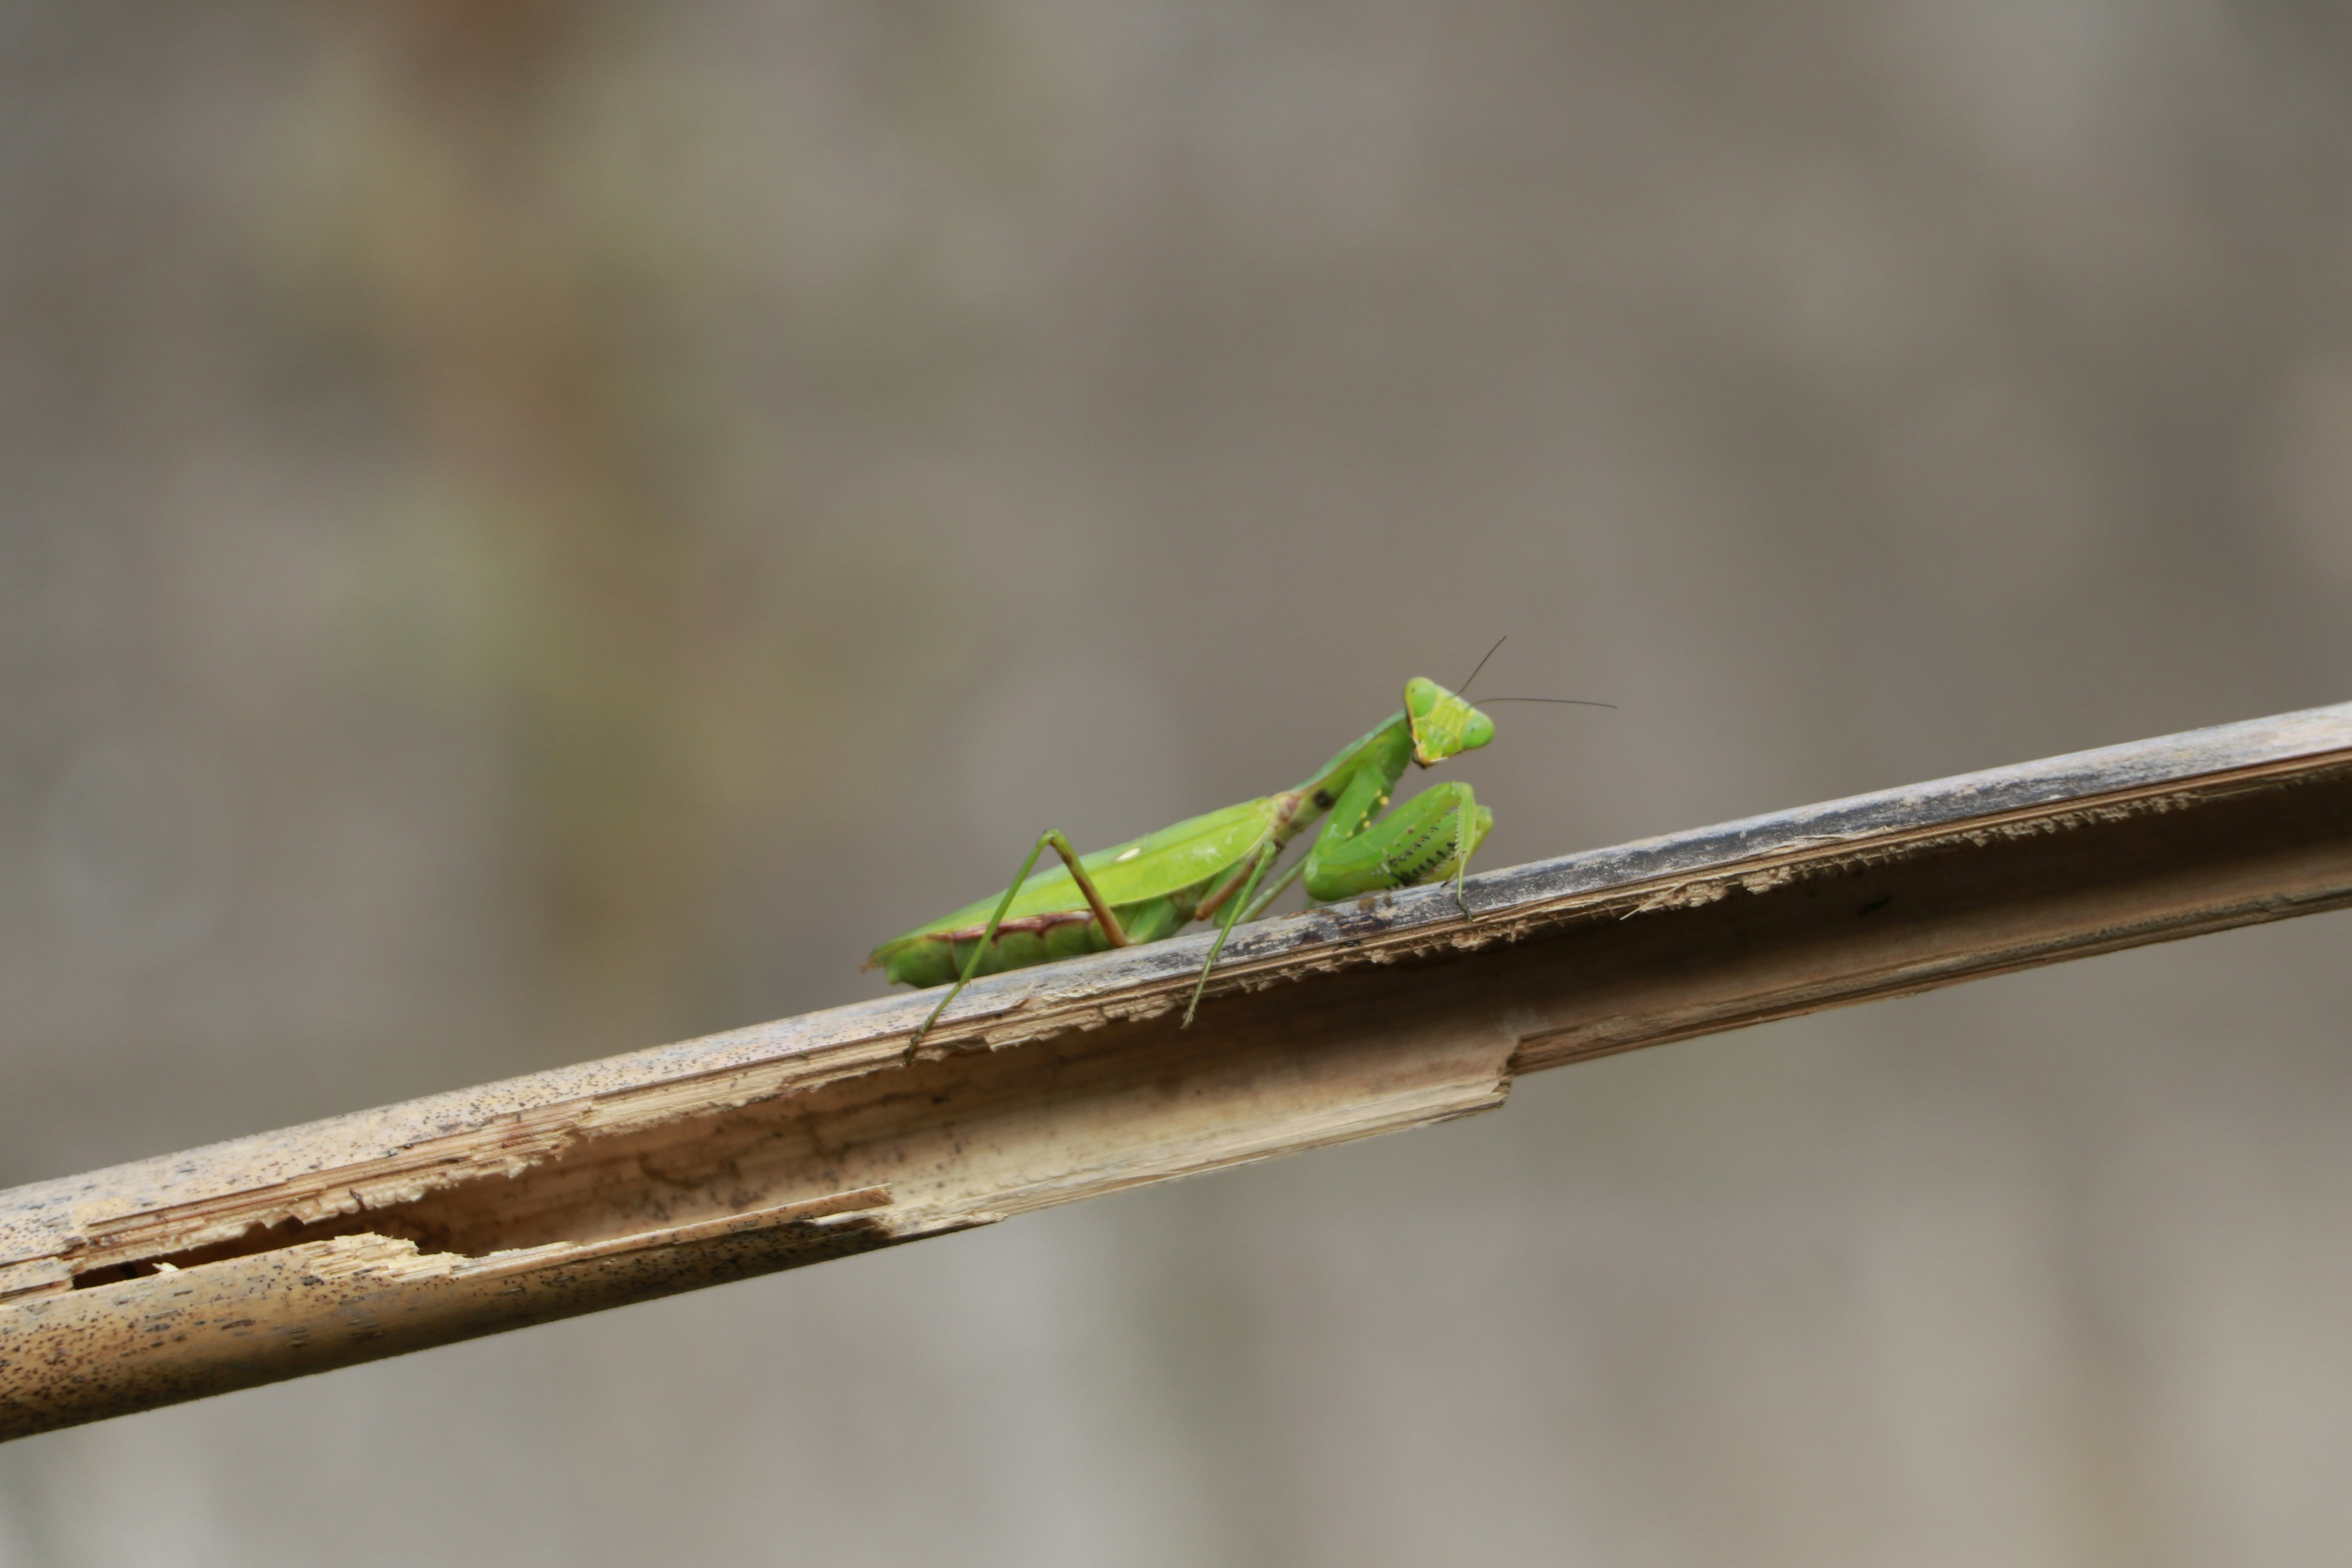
[[1443, 725]]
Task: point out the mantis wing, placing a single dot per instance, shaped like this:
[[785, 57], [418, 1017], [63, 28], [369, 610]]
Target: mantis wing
[[1159, 863]]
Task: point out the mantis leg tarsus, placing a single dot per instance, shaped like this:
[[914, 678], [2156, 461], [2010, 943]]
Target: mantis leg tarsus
[[1051, 838], [1462, 869], [1469, 833]]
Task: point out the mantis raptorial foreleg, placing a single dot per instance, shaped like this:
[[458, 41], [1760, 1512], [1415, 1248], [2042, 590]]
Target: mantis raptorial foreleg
[[1430, 836], [1051, 838]]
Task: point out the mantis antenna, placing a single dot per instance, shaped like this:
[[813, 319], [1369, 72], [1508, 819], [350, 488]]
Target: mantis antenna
[[1464, 690]]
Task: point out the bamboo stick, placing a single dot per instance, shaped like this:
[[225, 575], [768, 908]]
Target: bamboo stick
[[784, 1143]]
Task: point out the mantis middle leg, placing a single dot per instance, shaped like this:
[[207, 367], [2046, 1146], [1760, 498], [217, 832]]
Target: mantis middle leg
[[1234, 907]]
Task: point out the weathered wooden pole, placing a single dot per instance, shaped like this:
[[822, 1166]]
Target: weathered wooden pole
[[784, 1143]]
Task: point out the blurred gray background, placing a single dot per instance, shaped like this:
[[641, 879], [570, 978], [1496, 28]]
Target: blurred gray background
[[529, 529]]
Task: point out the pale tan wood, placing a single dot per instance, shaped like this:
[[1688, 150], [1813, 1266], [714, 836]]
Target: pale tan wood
[[816, 1137]]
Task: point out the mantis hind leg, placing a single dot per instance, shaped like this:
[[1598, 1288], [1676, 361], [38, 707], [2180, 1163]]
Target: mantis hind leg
[[1051, 838], [1429, 837]]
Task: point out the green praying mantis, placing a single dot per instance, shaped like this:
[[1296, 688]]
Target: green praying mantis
[[1210, 866]]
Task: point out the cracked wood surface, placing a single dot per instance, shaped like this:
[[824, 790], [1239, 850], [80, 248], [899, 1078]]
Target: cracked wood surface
[[767, 1147]]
